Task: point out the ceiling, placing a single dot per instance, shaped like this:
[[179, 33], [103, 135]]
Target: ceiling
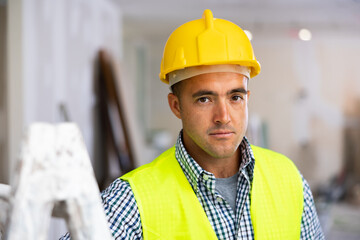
[[150, 17]]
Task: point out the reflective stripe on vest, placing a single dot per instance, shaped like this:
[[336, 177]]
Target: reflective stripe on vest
[[169, 208]]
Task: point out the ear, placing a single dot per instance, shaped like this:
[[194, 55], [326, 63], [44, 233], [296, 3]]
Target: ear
[[174, 104], [248, 94]]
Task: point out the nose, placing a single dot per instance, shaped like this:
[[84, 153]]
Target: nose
[[222, 115]]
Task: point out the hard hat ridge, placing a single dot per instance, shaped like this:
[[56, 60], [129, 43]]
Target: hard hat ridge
[[209, 18]]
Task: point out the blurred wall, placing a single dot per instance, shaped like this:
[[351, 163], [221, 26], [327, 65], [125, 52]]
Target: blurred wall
[[301, 95], [52, 58], [3, 125], [52, 50]]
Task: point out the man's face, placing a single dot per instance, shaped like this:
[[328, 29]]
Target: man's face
[[213, 110]]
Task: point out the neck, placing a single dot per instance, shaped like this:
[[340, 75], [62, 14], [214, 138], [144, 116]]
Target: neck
[[220, 167]]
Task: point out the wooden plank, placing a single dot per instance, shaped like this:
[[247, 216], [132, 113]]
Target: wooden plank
[[116, 129]]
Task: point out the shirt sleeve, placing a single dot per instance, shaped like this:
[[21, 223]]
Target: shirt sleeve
[[121, 211], [310, 224]]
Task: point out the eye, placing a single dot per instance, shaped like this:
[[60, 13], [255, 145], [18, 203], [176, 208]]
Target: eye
[[203, 100], [237, 98]]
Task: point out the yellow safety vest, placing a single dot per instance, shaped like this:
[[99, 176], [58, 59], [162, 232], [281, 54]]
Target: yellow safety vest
[[169, 208]]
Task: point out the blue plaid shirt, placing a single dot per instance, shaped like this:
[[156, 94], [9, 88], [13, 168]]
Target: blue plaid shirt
[[124, 217]]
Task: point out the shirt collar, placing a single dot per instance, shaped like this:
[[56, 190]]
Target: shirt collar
[[194, 173], [190, 167]]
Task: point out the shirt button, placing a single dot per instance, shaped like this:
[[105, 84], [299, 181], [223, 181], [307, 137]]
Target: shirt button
[[205, 177]]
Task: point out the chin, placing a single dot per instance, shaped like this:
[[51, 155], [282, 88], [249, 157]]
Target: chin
[[223, 154], [226, 152]]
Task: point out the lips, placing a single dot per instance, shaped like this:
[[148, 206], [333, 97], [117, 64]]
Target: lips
[[221, 134]]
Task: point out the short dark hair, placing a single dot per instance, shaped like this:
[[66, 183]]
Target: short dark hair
[[176, 89]]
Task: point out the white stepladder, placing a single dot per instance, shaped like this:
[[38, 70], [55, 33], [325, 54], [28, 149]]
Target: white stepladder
[[54, 176], [5, 191]]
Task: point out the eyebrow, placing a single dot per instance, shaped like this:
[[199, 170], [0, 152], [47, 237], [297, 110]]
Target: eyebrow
[[204, 92], [238, 90], [207, 92]]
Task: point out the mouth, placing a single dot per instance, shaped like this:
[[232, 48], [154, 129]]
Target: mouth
[[221, 134]]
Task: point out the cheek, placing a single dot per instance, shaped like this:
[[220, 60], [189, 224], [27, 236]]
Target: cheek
[[245, 119], [195, 119], [240, 115]]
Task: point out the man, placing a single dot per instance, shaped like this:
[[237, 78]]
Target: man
[[212, 184]]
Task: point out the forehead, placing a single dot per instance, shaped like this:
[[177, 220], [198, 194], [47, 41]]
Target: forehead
[[218, 82]]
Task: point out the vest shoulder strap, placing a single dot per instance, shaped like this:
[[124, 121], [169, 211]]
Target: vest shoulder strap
[[161, 197], [276, 196]]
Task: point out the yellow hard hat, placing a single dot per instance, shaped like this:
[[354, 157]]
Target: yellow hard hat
[[207, 41]]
